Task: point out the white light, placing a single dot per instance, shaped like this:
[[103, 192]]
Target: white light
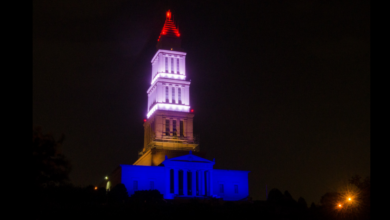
[[168, 75], [171, 107]]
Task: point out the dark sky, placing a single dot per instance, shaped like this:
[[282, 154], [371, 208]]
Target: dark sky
[[279, 88]]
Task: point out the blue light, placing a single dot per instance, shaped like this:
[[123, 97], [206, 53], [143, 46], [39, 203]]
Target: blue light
[[187, 176]]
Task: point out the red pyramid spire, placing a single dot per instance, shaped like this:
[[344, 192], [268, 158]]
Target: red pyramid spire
[[169, 28]]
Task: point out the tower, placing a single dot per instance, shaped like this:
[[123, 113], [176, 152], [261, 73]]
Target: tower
[[170, 160], [168, 129]]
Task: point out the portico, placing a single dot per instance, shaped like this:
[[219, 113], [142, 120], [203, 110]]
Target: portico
[[189, 176]]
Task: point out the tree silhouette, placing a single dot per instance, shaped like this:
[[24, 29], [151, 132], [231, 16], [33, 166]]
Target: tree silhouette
[[364, 195], [118, 194], [302, 203], [50, 167], [275, 195]]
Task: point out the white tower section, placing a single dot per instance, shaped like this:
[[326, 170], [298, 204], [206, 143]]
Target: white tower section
[[169, 89]]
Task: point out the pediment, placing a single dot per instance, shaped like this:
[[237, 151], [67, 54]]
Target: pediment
[[189, 158]]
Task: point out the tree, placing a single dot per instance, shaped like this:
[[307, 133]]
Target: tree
[[118, 194], [352, 202], [275, 195], [50, 167], [363, 196]]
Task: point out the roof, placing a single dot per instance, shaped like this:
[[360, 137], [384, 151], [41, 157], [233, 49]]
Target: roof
[[189, 158], [169, 38], [169, 28]]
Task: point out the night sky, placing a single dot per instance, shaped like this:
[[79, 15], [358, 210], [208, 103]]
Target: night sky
[[279, 88]]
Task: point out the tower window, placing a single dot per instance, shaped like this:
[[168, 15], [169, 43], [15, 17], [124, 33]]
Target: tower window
[[235, 188], [166, 64], [166, 94], [173, 95], [174, 128], [167, 127], [172, 71], [221, 188], [177, 70], [179, 95], [181, 129]]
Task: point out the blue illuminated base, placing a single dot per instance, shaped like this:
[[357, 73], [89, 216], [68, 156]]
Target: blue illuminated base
[[187, 176]]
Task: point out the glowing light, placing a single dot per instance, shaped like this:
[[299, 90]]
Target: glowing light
[[349, 198], [168, 75], [169, 14], [96, 188], [136, 177], [169, 107], [192, 110], [145, 120], [339, 205], [169, 27], [106, 177]]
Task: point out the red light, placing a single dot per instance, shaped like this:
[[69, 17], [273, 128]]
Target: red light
[[192, 110], [144, 120], [169, 14]]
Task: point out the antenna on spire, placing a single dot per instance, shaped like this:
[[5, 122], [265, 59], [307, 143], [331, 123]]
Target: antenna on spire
[[169, 14]]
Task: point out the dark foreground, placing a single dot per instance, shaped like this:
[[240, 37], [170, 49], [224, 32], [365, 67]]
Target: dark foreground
[[87, 203]]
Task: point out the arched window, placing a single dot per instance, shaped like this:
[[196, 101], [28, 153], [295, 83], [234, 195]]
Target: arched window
[[172, 183], [179, 95], [173, 95]]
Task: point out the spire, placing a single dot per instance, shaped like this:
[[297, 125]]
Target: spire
[[169, 38]]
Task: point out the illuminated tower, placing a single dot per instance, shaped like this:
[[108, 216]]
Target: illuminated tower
[[169, 123]]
